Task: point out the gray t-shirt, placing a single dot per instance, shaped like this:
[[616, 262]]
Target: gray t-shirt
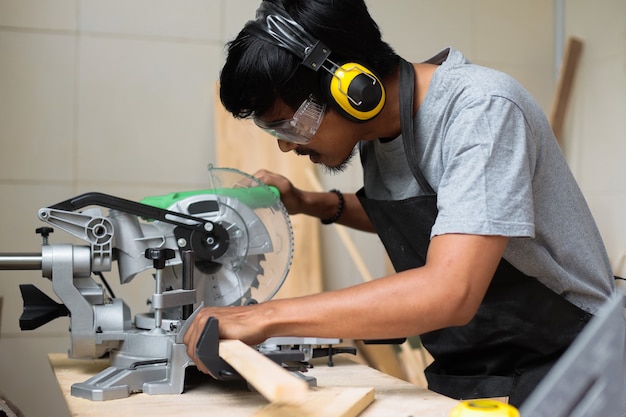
[[488, 151]]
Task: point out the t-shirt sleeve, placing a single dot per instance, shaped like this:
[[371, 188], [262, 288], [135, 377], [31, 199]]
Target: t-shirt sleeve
[[488, 163]]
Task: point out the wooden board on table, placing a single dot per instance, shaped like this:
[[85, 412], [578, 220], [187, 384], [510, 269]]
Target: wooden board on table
[[324, 402], [288, 394], [242, 145], [275, 383]]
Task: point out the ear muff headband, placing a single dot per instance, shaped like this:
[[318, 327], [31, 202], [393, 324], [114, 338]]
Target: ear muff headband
[[353, 89], [357, 91]]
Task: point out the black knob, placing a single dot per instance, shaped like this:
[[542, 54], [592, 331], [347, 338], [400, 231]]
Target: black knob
[[44, 232], [159, 256]]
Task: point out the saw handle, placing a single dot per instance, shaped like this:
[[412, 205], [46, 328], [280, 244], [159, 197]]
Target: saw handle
[[209, 240], [131, 207]]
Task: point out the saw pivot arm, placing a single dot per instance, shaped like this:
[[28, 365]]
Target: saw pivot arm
[[208, 240]]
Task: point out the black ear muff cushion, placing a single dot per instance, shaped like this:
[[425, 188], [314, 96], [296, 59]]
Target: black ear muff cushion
[[364, 91]]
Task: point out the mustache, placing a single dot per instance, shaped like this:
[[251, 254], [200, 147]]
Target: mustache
[[304, 151]]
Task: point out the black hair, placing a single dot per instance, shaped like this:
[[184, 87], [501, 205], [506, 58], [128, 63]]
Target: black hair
[[258, 71]]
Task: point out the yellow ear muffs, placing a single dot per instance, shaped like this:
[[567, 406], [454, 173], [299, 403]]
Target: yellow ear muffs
[[357, 91]]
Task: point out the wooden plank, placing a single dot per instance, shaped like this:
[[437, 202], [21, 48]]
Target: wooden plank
[[382, 357], [565, 82], [242, 145], [347, 242], [413, 364], [324, 402], [272, 381], [393, 395], [288, 394]]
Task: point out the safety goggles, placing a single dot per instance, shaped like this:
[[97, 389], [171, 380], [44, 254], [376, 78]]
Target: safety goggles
[[301, 127]]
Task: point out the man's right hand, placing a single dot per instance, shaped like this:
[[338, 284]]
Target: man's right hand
[[291, 196]]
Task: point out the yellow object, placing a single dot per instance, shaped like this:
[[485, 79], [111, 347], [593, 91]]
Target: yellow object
[[484, 408], [340, 86]]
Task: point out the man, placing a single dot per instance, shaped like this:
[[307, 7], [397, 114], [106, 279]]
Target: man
[[499, 261]]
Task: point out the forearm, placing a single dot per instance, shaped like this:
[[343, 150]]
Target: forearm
[[394, 306], [447, 291], [367, 311], [324, 205], [399, 305]]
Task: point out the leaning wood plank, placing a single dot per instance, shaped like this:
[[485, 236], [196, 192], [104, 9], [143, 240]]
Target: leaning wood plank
[[564, 85], [324, 402], [272, 381], [242, 145], [381, 357]]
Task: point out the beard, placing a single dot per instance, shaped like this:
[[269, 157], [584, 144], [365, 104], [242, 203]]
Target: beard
[[336, 169], [341, 167]]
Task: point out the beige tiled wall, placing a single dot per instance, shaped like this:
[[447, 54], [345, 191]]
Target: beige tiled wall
[[117, 96], [595, 143], [109, 96]]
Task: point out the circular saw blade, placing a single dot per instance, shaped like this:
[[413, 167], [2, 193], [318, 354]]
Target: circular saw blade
[[260, 239]]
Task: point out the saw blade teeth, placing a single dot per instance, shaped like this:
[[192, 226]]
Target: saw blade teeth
[[231, 286], [259, 231]]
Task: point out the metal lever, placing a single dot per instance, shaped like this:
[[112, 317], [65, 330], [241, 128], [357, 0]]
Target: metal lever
[[209, 240], [39, 309], [127, 206]]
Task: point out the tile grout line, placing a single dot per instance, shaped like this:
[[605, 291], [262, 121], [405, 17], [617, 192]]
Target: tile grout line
[[76, 108]]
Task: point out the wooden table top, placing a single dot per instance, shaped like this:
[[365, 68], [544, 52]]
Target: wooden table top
[[205, 396]]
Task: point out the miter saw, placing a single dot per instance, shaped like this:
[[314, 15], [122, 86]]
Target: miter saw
[[226, 246]]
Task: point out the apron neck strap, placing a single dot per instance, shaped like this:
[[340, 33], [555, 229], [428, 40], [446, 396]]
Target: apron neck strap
[[407, 87]]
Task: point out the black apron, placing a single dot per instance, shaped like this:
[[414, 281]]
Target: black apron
[[521, 327]]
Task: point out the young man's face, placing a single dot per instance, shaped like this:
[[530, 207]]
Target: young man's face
[[333, 143]]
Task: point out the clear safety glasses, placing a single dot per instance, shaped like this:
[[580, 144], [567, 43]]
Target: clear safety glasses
[[301, 127]]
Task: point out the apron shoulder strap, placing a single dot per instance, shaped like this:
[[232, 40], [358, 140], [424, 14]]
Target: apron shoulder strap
[[407, 86]]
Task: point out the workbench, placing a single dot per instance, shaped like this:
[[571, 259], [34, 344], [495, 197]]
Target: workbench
[[205, 396]]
